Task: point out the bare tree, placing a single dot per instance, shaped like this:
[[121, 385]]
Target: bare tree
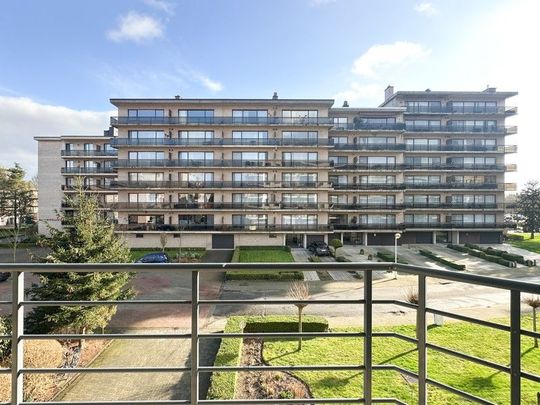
[[411, 296], [163, 240], [299, 291], [534, 303]]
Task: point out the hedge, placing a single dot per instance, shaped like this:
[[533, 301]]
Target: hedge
[[482, 255], [285, 248], [223, 384], [441, 260], [258, 275], [504, 254], [515, 236], [389, 257]]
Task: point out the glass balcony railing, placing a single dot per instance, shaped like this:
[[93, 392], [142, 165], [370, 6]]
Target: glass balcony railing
[[130, 163], [223, 228], [88, 170], [487, 110], [87, 153], [119, 142], [219, 184], [200, 121]]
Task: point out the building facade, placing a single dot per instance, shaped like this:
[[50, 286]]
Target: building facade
[[219, 173]]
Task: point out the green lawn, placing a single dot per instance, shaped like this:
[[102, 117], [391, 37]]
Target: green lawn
[[471, 339], [137, 253], [532, 245], [264, 254]]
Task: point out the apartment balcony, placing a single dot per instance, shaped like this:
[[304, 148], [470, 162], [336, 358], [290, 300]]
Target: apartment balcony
[[217, 206], [141, 163], [367, 227], [364, 166], [356, 207], [418, 186], [368, 186], [218, 184], [452, 167], [88, 153], [510, 186], [497, 110], [221, 121], [360, 309], [119, 142], [363, 126], [94, 188], [222, 228], [453, 206], [88, 170], [510, 167], [507, 130], [400, 147], [457, 225]]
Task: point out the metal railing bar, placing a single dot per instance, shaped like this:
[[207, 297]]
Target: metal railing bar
[[6, 302], [104, 370], [5, 370], [322, 367], [421, 336], [108, 336], [469, 319], [396, 335], [368, 337], [278, 302], [391, 367], [279, 335], [289, 401], [530, 333], [458, 392], [123, 402], [474, 359], [109, 302], [515, 347], [194, 376], [530, 376], [395, 302]]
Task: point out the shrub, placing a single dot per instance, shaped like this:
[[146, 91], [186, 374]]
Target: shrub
[[389, 257], [361, 251], [336, 243], [441, 260], [370, 257], [258, 275], [476, 251], [342, 259], [515, 237], [314, 259]]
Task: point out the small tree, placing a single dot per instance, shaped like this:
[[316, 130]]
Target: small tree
[[336, 244], [299, 291], [90, 238], [534, 303], [163, 241], [528, 206]]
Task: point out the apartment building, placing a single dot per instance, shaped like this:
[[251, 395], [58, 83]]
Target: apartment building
[[220, 173]]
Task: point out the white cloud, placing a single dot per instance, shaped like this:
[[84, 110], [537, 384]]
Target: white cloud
[[22, 119], [387, 55], [161, 5], [136, 27], [426, 8], [367, 94], [210, 84]]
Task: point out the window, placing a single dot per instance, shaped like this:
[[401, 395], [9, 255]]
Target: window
[[374, 219], [298, 199], [142, 176], [337, 180], [250, 158], [250, 199], [89, 147], [289, 158], [337, 199], [473, 200], [146, 134], [250, 220], [196, 116], [489, 144], [472, 161], [374, 122], [473, 106], [250, 178], [196, 137], [70, 163], [377, 200], [146, 198], [472, 179], [300, 178], [250, 116], [423, 106], [146, 219], [90, 164], [473, 219], [423, 125], [422, 179], [422, 144], [299, 137], [422, 161], [196, 178], [195, 200], [196, 157], [146, 155], [308, 219], [473, 125], [420, 200], [340, 122], [377, 179], [299, 116], [250, 137], [338, 140], [146, 113], [427, 219], [376, 161], [337, 160], [196, 221], [376, 140]]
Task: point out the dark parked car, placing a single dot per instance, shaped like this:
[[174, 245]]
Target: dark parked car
[[319, 248], [4, 276], [158, 257]]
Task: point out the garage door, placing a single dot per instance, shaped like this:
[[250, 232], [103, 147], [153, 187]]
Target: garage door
[[222, 241], [314, 238]]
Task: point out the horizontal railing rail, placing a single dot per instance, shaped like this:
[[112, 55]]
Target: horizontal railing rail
[[217, 205], [424, 148], [516, 289], [224, 227], [131, 163], [198, 121], [218, 142], [418, 166], [87, 153], [460, 110], [88, 170], [219, 184], [416, 186]]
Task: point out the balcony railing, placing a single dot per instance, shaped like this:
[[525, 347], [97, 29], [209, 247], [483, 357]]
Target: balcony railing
[[202, 121], [223, 228], [425, 148], [401, 186], [407, 166], [130, 163], [463, 129], [217, 206], [461, 110], [219, 184], [88, 170], [364, 126], [516, 290], [116, 142], [86, 153], [453, 205], [457, 225]]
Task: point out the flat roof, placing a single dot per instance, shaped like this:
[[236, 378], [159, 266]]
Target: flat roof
[[482, 93], [74, 137], [116, 101]]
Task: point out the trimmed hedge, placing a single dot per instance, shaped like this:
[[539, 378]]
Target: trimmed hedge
[[441, 260], [284, 248], [482, 255], [258, 275], [515, 236], [389, 257], [223, 384], [504, 254]]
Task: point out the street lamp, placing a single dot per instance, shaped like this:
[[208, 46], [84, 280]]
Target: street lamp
[[397, 235]]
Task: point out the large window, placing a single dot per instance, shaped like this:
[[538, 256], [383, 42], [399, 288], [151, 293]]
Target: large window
[[146, 197], [146, 113], [250, 116], [422, 200], [250, 220], [338, 180], [196, 200], [378, 219], [250, 199], [146, 134], [292, 158], [250, 137], [298, 199], [196, 137], [423, 125], [473, 106], [338, 140], [196, 157], [472, 161], [377, 179], [196, 221], [422, 179], [427, 219], [196, 116], [472, 179], [337, 160], [374, 122], [146, 219], [196, 179], [376, 140], [257, 158], [299, 116], [146, 155], [473, 219], [340, 122], [299, 137], [377, 200], [423, 161], [422, 144], [473, 125], [299, 178], [423, 106], [474, 199], [376, 160], [305, 219], [250, 178]]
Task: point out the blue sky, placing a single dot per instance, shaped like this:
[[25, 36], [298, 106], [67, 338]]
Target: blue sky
[[65, 59]]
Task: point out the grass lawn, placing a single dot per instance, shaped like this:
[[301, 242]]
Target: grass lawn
[[532, 245], [137, 253], [265, 254], [468, 338]]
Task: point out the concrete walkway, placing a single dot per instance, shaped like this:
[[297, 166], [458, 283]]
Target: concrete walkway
[[302, 255]]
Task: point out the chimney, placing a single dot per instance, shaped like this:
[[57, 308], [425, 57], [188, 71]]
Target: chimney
[[275, 96], [388, 92], [177, 97], [345, 104], [428, 90], [490, 89]]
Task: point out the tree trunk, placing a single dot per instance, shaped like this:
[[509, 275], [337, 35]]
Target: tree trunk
[[532, 234], [534, 327]]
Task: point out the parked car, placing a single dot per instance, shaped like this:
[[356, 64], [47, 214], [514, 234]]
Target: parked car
[[4, 276], [157, 257], [319, 248]]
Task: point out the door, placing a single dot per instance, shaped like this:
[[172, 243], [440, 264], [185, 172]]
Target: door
[[223, 241]]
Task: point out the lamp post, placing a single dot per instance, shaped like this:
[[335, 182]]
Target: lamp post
[[397, 235]]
